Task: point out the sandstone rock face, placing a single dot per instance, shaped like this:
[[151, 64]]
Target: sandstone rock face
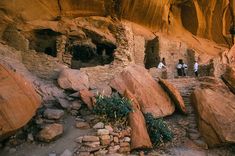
[[216, 108], [209, 19], [87, 97], [149, 94], [73, 80], [139, 134], [174, 94], [229, 78], [18, 99]]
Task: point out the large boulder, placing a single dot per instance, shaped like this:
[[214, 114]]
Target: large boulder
[[174, 94], [18, 101], [229, 78], [216, 109], [149, 94], [139, 134], [72, 79]]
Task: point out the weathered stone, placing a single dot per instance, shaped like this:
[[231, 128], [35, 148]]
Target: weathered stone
[[75, 95], [124, 144], [30, 137], [125, 149], [229, 78], [99, 125], [79, 139], [18, 100], [113, 149], [84, 154], [127, 139], [216, 108], [90, 139], [67, 153], [87, 97], [63, 103], [105, 139], [92, 144], [82, 125], [174, 95], [72, 79], [76, 105], [101, 89], [109, 128], [115, 139], [139, 134], [103, 132], [101, 153], [53, 113], [150, 95], [51, 132]]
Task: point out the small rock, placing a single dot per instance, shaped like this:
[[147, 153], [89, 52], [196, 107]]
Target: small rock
[[124, 150], [113, 149], [79, 139], [194, 136], [67, 153], [12, 150], [124, 144], [201, 144], [90, 139], [82, 125], [92, 144], [105, 139], [127, 139], [30, 137], [76, 105], [51, 132], [109, 128], [52, 154], [99, 125], [115, 139], [101, 153], [53, 113], [141, 153], [73, 112], [75, 95], [103, 132], [63, 103], [84, 154]]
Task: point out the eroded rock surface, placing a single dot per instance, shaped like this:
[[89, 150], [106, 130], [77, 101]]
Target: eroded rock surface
[[216, 108], [19, 101], [150, 95]]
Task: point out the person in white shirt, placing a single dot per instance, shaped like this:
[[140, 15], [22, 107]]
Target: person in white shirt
[[195, 67], [162, 64]]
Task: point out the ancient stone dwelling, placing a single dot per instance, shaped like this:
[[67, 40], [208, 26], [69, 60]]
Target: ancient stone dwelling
[[57, 56]]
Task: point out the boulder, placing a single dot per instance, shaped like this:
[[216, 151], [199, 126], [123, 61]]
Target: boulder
[[53, 113], [149, 94], [87, 97], [139, 134], [174, 95], [18, 101], [229, 78], [215, 106], [51, 132], [72, 79]]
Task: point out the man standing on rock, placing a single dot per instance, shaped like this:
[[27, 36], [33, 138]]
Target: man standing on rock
[[195, 67]]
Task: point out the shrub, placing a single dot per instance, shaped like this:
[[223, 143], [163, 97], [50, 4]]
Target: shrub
[[157, 129], [112, 108]]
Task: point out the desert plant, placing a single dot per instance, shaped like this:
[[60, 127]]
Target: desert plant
[[157, 129], [112, 108]]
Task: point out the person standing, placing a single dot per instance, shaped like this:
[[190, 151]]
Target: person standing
[[195, 67], [162, 64]]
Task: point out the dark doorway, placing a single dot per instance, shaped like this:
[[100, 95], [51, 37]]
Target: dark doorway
[[152, 58]]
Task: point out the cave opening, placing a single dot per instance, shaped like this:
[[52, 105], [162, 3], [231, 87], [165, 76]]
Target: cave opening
[[44, 40], [189, 17], [90, 55]]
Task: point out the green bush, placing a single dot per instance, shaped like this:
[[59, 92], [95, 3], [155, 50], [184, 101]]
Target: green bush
[[112, 108], [157, 129]]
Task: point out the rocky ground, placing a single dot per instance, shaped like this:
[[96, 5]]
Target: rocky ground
[[77, 126]]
